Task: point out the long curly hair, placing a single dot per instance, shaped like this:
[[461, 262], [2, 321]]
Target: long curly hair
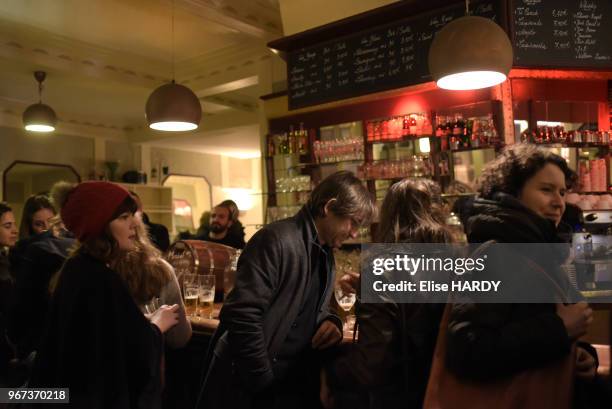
[[412, 212], [509, 172], [143, 270]]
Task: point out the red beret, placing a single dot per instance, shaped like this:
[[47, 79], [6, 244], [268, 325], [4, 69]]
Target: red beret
[[90, 206]]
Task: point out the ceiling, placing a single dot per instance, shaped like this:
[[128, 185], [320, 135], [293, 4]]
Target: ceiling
[[104, 57]]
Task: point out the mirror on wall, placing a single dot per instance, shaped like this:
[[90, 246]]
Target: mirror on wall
[[23, 179], [191, 197]]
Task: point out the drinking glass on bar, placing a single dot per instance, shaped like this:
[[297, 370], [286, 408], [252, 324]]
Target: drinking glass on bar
[[191, 289], [346, 302], [206, 296], [152, 306]]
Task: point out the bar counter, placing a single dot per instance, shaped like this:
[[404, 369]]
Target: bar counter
[[206, 327]]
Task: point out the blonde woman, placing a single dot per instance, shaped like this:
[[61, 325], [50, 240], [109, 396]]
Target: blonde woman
[[149, 277]]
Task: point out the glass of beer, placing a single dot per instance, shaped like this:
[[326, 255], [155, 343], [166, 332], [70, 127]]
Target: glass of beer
[[191, 290], [206, 296]]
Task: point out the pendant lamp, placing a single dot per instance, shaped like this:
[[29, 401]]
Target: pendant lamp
[[39, 117], [470, 53], [173, 107]]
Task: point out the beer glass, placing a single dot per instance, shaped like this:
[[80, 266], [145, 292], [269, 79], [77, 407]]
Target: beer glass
[[206, 296], [191, 289]]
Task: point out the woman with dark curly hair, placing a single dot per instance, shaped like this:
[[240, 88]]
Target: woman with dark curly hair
[[521, 200]]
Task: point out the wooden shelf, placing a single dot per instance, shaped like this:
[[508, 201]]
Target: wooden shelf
[[573, 145], [480, 148], [406, 138]]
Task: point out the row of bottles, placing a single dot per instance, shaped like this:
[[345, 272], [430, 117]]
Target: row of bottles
[[558, 134], [294, 141], [458, 133], [398, 127]]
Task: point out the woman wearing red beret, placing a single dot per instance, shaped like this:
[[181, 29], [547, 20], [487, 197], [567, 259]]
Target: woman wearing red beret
[[97, 342]]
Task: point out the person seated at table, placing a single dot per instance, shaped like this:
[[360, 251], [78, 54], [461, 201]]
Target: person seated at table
[[219, 231]]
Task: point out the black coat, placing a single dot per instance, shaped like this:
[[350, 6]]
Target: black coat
[[494, 340], [41, 259], [489, 341], [158, 233], [98, 343], [272, 279], [234, 237], [392, 358], [6, 290]]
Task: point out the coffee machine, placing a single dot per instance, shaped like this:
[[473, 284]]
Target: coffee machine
[[592, 251]]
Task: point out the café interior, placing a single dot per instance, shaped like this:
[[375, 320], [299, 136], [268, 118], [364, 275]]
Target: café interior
[[232, 70]]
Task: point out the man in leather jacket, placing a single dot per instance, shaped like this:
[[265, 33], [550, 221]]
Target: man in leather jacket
[[276, 321]]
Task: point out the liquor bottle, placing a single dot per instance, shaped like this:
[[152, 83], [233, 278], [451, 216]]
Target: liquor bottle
[[303, 140], [284, 146], [448, 128], [458, 126], [291, 140], [412, 125], [468, 134], [406, 126], [441, 135]]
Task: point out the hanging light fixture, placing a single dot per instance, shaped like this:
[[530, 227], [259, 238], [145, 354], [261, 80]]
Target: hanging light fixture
[[173, 107], [470, 53], [39, 117]]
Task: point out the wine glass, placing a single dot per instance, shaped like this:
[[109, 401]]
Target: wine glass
[[346, 302]]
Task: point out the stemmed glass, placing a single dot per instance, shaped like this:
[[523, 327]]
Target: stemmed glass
[[346, 302]]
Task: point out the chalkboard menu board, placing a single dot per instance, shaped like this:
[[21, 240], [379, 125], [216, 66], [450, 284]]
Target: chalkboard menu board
[[562, 33], [385, 57]]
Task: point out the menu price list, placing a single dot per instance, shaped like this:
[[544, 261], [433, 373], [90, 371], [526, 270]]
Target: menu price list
[[562, 33], [382, 58]]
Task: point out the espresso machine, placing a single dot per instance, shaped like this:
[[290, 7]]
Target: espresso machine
[[592, 251]]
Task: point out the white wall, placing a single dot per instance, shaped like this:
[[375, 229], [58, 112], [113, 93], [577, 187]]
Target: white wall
[[16, 144], [122, 152], [223, 173]]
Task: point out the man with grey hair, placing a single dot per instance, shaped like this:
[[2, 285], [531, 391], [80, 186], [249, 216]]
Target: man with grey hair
[[276, 321]]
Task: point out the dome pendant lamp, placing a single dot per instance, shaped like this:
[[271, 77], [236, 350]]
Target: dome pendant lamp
[[39, 117], [173, 107], [470, 53]]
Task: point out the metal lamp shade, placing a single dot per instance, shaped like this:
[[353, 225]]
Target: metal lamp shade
[[39, 118], [470, 53], [173, 107]]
